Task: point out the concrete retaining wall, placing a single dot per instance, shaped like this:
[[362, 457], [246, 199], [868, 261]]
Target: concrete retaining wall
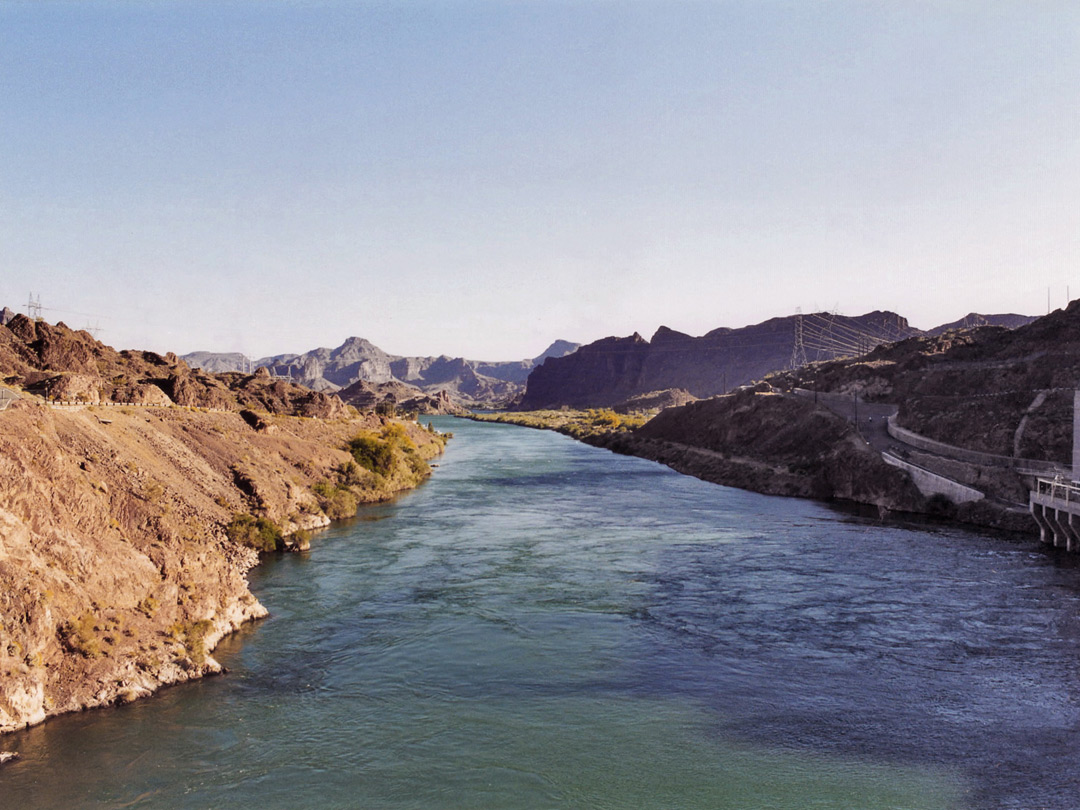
[[930, 483]]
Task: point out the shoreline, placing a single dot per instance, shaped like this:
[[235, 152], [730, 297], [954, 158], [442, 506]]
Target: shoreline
[[121, 568], [768, 477]]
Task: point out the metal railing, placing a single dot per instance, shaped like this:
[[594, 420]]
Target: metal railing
[[1059, 489]]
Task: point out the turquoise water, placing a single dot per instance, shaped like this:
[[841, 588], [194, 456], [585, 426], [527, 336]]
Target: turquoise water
[[548, 625]]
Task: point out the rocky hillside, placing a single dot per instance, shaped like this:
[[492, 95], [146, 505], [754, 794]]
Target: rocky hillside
[[990, 389], [760, 440], [126, 532], [217, 363], [974, 319], [1005, 391], [397, 397], [612, 370], [61, 364], [471, 383]]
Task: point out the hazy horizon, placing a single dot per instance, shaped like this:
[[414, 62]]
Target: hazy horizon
[[479, 178]]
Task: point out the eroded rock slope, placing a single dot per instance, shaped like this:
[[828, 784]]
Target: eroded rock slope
[[116, 573]]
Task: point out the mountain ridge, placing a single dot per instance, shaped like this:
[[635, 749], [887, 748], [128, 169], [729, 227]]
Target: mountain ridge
[[612, 370], [473, 383]]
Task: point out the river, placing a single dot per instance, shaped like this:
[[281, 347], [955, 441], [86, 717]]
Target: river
[[548, 625]]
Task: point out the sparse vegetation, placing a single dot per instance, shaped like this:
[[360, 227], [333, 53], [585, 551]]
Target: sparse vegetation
[[578, 424], [337, 501], [80, 635], [259, 533], [192, 635]]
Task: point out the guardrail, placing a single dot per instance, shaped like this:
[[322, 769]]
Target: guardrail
[[1026, 465], [7, 396], [1058, 489]]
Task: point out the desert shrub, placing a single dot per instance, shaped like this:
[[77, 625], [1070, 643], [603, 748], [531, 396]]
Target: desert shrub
[[395, 435], [193, 636], [349, 473], [418, 466], [80, 635], [148, 606], [372, 454], [342, 504], [604, 417], [261, 534], [337, 502]]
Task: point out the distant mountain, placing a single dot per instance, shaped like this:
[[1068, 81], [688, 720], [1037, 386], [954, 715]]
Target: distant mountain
[[467, 382], [330, 369], [613, 370], [217, 363], [974, 319], [5, 316]]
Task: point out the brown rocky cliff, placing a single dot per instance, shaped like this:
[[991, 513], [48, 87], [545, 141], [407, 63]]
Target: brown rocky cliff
[[116, 576], [59, 363], [773, 444]]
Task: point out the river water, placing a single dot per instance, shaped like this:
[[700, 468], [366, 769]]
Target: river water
[[548, 625]]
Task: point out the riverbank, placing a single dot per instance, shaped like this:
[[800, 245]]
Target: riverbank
[[772, 444], [127, 535]]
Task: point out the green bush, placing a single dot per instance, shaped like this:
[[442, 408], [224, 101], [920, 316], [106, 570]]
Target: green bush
[[81, 636], [261, 534], [604, 417], [418, 466], [372, 454], [395, 435], [349, 474], [193, 636], [336, 501], [323, 489], [342, 504]]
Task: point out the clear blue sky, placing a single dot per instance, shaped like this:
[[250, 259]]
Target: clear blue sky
[[478, 178]]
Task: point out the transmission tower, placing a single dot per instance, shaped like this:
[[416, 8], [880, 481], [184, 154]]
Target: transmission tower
[[798, 351], [33, 308]]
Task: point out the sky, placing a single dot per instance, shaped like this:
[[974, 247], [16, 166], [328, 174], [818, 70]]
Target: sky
[[481, 177]]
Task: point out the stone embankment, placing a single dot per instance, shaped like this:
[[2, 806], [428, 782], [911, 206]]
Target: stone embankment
[[116, 573]]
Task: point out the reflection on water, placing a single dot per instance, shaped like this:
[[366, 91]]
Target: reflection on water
[[549, 625]]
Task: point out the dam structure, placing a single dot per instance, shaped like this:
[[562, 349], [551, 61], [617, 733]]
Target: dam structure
[[1055, 502]]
